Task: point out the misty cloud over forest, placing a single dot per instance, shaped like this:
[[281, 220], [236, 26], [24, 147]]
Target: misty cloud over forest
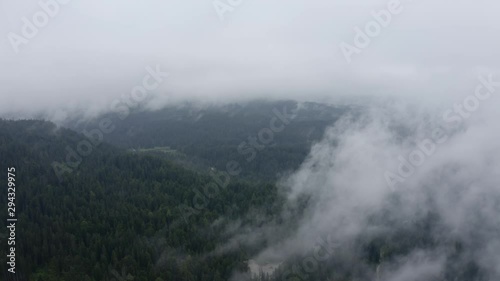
[[424, 148], [454, 180]]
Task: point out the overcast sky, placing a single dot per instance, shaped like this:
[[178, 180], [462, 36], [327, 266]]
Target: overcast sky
[[91, 52]]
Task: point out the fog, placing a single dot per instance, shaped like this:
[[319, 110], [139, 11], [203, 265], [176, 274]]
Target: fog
[[376, 174], [92, 52]]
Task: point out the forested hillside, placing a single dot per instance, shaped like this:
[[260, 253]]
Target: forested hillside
[[116, 211], [124, 213], [134, 215], [210, 136]]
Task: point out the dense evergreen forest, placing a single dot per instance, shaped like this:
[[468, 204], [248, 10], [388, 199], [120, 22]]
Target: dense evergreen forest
[[132, 210], [117, 211], [210, 136]]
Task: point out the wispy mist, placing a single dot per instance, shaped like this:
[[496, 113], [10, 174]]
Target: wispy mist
[[344, 179]]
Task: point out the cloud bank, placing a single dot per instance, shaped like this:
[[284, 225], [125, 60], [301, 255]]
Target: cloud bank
[[91, 52]]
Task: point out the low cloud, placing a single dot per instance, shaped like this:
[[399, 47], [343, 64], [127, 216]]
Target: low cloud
[[92, 52], [455, 190]]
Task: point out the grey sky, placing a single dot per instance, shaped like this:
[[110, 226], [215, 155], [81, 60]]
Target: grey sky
[[93, 51]]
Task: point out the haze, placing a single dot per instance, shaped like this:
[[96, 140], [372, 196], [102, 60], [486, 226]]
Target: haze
[[92, 52]]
